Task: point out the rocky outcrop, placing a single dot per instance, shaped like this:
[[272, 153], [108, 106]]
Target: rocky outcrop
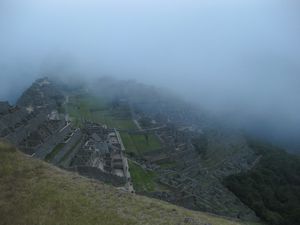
[[43, 94], [34, 119]]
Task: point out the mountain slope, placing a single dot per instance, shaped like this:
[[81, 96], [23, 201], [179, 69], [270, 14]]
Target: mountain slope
[[272, 187], [33, 192], [157, 128]]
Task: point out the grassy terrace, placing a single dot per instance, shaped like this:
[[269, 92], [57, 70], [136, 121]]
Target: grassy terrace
[[100, 111], [49, 157], [68, 153], [34, 192], [139, 144], [143, 181], [167, 165]]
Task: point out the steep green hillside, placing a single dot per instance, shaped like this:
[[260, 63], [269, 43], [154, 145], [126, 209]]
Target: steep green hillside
[[34, 192], [272, 187]]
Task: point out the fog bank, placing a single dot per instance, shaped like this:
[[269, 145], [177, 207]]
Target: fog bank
[[238, 59]]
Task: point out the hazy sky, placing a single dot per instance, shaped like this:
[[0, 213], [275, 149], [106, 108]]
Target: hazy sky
[[237, 57]]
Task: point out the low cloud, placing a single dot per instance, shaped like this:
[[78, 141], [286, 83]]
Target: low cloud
[[238, 59]]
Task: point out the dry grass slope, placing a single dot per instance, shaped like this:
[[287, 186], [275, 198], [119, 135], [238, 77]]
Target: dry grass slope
[[34, 192]]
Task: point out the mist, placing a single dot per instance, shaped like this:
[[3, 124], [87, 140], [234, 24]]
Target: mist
[[237, 59]]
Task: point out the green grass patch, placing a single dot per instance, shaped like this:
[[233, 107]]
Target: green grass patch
[[69, 152], [112, 120], [128, 143], [52, 154], [167, 165], [140, 143], [145, 143], [143, 180], [99, 110]]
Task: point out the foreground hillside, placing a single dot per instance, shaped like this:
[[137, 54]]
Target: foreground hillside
[[33, 192]]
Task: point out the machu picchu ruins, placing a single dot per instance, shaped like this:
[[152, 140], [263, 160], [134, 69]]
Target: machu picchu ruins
[[149, 112], [116, 139], [37, 127]]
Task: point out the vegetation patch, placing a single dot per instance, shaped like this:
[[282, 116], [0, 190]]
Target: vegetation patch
[[272, 188], [139, 144], [145, 142], [67, 154], [99, 110], [143, 180], [128, 143], [167, 165], [201, 143], [49, 157]]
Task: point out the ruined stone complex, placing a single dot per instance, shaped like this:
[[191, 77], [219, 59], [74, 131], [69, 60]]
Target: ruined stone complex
[[36, 127], [187, 174], [191, 174], [102, 150], [34, 120], [192, 181]]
